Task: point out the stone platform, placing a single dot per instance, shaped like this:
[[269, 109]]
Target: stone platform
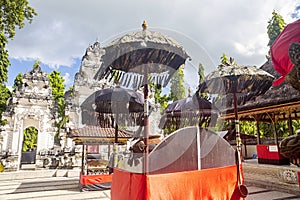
[[274, 177]]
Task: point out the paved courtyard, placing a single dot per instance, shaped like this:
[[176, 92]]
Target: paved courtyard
[[47, 188], [66, 188]]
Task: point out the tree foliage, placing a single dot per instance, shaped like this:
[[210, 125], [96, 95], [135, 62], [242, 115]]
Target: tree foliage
[[248, 127], [224, 59], [201, 79], [5, 94], [177, 85], [30, 139], [275, 25], [201, 73], [57, 84], [13, 14], [160, 99], [58, 88], [71, 90], [222, 125], [18, 81]]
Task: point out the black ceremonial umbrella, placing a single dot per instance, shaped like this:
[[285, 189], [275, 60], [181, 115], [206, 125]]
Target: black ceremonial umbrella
[[114, 102], [119, 100], [138, 58], [230, 78], [190, 103], [193, 108], [134, 55]]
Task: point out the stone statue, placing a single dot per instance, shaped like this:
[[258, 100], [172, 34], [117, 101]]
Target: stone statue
[[293, 77], [290, 148]]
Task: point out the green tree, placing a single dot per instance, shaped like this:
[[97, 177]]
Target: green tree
[[71, 89], [13, 14], [248, 127], [224, 59], [296, 125], [30, 139], [159, 98], [177, 85], [201, 79], [57, 84], [275, 25], [267, 129], [5, 94], [223, 125], [201, 73], [58, 88], [18, 81]]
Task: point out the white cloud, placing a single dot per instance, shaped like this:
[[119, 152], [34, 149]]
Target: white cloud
[[252, 46], [67, 78], [63, 29], [247, 50]]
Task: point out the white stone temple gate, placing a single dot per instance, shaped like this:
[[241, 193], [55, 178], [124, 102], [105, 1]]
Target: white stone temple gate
[[29, 106]]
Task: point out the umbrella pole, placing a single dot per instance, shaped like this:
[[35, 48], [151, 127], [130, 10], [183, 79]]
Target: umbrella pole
[[146, 121], [237, 125], [238, 137], [115, 147]]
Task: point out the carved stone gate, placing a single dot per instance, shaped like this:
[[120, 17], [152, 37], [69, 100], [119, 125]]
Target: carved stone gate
[[29, 106]]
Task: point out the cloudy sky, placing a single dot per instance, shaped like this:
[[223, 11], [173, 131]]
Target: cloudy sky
[[60, 34]]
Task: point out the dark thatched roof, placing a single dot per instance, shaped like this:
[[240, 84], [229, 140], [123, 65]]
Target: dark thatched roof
[[276, 104]]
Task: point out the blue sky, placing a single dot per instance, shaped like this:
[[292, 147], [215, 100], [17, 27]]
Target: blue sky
[[23, 66], [60, 34]]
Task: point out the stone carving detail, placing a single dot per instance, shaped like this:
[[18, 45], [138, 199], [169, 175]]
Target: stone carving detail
[[93, 54], [288, 176]]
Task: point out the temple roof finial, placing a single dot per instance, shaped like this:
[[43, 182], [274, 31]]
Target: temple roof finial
[[145, 25], [189, 91]]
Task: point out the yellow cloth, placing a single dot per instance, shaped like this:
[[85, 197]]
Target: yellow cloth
[[1, 167]]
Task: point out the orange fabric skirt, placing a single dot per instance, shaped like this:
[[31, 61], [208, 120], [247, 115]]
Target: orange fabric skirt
[[216, 183]]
